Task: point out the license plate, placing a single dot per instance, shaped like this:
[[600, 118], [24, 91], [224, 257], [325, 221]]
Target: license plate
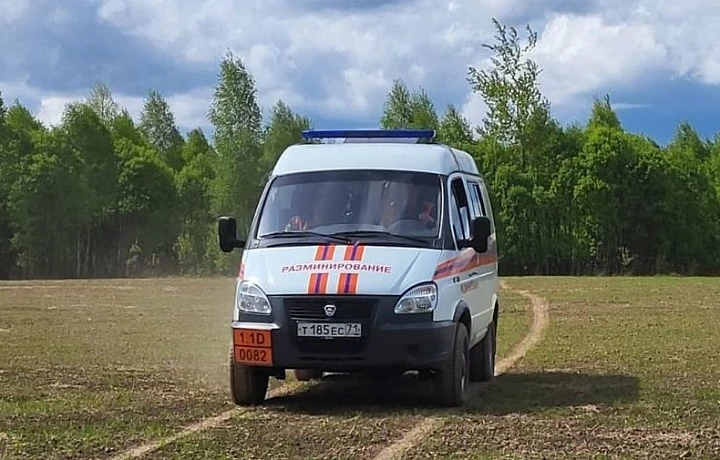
[[252, 338], [329, 330], [253, 355], [253, 346]]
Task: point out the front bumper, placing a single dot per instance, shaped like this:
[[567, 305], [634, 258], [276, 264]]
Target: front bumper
[[388, 340]]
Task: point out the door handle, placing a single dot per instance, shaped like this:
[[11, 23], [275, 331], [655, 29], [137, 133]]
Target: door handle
[[472, 274]]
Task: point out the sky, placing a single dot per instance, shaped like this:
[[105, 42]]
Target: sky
[[335, 60]]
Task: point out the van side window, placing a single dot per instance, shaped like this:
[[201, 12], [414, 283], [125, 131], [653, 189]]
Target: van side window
[[485, 201], [476, 199], [460, 211]]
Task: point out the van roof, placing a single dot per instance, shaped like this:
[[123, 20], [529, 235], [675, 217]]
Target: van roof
[[433, 158]]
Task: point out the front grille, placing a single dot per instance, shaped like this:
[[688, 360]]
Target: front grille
[[346, 310], [313, 309]]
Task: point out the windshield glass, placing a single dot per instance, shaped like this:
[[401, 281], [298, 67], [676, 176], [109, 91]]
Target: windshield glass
[[399, 202]]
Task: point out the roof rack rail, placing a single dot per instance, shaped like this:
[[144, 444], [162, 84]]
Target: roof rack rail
[[371, 135]]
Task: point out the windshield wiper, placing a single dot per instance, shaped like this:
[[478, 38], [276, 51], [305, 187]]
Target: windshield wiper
[[379, 233], [304, 233]]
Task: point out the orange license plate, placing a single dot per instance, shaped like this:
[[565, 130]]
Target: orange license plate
[[252, 338], [253, 355], [253, 346]]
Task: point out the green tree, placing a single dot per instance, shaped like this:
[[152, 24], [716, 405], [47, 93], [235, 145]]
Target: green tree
[[397, 110], [604, 190], [234, 109], [510, 91], [693, 206], [147, 204], [103, 103], [284, 129], [194, 189], [7, 160], [90, 136], [46, 205], [455, 130], [157, 124], [123, 126], [236, 117], [407, 110]]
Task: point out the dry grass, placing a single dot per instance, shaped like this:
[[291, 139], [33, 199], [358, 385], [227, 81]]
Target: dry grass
[[629, 368], [340, 417], [91, 368]]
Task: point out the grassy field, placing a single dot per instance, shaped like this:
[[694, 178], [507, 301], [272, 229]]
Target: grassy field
[[628, 368], [90, 368]]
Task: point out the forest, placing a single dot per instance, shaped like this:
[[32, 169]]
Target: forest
[[102, 195]]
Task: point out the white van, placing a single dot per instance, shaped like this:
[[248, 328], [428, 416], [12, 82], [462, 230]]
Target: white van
[[370, 251]]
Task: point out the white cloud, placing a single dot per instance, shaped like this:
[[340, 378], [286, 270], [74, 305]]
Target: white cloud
[[12, 10], [474, 109], [341, 62], [581, 54], [190, 108], [51, 108]]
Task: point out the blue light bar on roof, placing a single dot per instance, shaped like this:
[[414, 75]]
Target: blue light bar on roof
[[370, 134]]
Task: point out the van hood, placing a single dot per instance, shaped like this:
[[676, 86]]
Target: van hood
[[338, 269]]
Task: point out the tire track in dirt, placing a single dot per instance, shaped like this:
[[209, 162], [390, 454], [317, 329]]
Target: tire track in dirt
[[395, 450], [205, 424], [423, 429]]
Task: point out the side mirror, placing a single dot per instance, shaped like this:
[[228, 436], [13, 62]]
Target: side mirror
[[227, 234], [480, 233]]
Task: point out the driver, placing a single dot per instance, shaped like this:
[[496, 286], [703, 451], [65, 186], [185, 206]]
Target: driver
[[427, 215], [323, 204], [306, 219], [418, 206]]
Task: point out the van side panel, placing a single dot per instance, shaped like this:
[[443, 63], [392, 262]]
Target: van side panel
[[460, 273]]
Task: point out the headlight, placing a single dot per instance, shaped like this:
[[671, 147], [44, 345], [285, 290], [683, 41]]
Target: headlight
[[420, 299], [249, 298]]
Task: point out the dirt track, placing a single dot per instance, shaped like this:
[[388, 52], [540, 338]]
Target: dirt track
[[396, 449], [420, 432]]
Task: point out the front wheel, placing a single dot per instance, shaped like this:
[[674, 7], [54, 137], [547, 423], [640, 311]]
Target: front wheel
[[248, 384], [452, 379]]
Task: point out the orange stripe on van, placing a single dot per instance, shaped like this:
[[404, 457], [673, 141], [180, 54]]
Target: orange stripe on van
[[466, 260], [325, 252], [354, 252], [347, 283], [318, 283]]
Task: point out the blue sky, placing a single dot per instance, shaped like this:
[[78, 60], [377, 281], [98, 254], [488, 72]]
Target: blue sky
[[334, 60]]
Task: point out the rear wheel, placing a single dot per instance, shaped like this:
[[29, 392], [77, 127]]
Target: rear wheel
[[304, 375], [452, 379], [248, 384], [482, 356]]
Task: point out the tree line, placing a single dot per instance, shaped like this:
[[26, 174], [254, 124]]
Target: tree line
[[104, 195]]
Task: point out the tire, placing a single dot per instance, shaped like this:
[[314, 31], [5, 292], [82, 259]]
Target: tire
[[482, 356], [248, 384], [304, 375], [452, 379]]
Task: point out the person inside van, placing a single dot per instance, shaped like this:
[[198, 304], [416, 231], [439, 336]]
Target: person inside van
[[318, 205], [408, 202]]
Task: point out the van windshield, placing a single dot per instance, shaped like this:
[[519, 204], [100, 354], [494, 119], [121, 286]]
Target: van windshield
[[354, 203]]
